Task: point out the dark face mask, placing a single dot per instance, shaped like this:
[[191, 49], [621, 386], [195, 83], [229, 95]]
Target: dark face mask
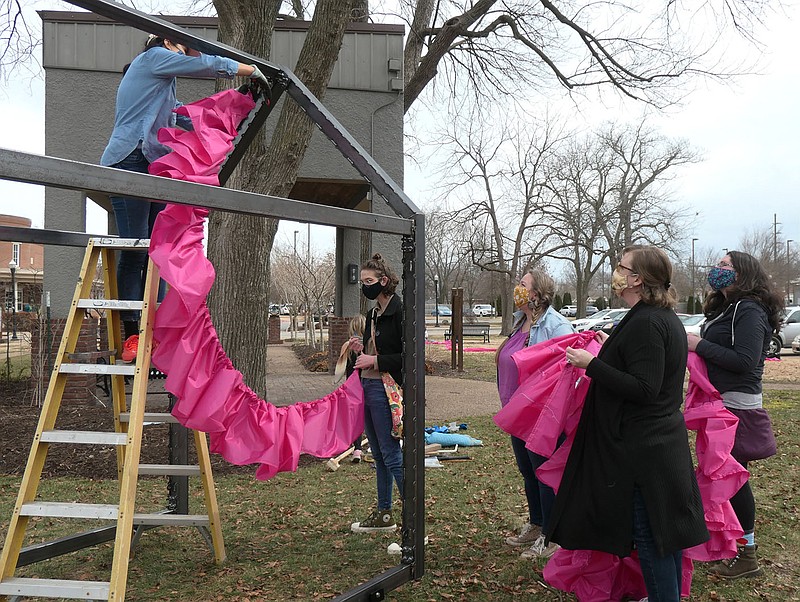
[[371, 291]]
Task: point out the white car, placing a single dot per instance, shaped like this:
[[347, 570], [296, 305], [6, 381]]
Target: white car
[[796, 344], [790, 328], [692, 323], [569, 311], [598, 320], [482, 309]]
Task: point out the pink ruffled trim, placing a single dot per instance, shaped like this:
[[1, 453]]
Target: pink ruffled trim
[[549, 402], [211, 394]]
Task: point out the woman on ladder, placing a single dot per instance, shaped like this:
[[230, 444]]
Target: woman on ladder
[[145, 104]]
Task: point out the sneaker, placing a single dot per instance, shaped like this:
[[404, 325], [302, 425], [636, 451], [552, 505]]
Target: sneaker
[[356, 456], [539, 550], [526, 537], [379, 520], [130, 348]]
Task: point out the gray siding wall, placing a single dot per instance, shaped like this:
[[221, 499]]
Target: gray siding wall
[[83, 64]]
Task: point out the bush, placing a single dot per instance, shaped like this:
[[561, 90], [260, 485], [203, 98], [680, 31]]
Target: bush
[[567, 299], [557, 304]]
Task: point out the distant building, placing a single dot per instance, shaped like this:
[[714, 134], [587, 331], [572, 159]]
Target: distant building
[[28, 263]]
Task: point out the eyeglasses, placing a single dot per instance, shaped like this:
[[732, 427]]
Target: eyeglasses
[[624, 267], [368, 281], [725, 265]]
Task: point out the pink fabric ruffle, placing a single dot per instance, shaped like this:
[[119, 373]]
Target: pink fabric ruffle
[[549, 402], [211, 394]]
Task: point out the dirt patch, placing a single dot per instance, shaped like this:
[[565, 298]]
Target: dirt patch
[[312, 358], [784, 370]]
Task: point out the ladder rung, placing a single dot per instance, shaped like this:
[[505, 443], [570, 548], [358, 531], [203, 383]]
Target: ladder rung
[[54, 588], [109, 304], [125, 369], [89, 437], [182, 470], [176, 520], [70, 510], [157, 417], [121, 243]]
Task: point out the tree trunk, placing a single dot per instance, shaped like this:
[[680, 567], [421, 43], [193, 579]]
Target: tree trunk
[[239, 246]]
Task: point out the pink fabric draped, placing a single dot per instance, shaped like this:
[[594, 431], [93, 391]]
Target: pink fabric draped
[[211, 394], [549, 401]]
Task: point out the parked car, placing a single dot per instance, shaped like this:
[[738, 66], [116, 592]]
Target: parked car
[[483, 309], [598, 318], [611, 319], [442, 310], [569, 311], [692, 323], [790, 328], [591, 310], [286, 309], [796, 344], [274, 309]]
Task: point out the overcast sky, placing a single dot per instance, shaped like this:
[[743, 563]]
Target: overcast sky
[[747, 131]]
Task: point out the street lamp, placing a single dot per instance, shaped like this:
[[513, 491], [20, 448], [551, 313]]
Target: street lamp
[[436, 298], [694, 303], [788, 268], [296, 232], [12, 265]]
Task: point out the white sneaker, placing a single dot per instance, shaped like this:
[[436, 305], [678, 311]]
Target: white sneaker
[[527, 535], [539, 550]]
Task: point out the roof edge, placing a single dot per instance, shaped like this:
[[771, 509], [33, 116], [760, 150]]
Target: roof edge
[[69, 16]]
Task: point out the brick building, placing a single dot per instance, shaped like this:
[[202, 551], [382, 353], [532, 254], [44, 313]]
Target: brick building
[[28, 263]]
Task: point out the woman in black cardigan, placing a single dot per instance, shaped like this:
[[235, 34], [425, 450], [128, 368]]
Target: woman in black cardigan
[[381, 352], [629, 478]]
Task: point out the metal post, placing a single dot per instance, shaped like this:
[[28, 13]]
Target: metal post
[[788, 269], [694, 303], [295, 242], [12, 265], [436, 298]]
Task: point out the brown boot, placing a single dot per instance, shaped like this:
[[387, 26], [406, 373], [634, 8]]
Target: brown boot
[[744, 564]]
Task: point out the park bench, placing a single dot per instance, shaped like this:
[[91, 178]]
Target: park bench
[[471, 330]]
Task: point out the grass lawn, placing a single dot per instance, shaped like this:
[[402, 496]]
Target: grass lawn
[[289, 539]]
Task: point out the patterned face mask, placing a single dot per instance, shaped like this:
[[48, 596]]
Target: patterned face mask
[[521, 296], [720, 278], [619, 282]]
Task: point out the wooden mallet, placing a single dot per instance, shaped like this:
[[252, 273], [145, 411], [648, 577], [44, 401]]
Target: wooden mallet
[[333, 463]]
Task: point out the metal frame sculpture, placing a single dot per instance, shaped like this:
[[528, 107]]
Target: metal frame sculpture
[[409, 223]]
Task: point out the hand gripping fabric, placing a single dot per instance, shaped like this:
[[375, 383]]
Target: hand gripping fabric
[[211, 394]]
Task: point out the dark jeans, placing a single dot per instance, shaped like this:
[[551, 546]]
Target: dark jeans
[[385, 449], [540, 497], [662, 574], [135, 219]]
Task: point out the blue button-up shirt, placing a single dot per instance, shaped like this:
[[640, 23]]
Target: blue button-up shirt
[[146, 100], [549, 326]]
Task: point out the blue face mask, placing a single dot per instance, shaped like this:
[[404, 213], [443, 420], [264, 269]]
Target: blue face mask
[[719, 278]]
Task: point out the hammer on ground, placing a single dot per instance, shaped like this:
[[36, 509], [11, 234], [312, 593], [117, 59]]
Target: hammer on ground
[[333, 463]]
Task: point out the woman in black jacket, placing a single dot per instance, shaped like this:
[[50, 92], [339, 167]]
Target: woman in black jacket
[[629, 478], [742, 313], [381, 355]]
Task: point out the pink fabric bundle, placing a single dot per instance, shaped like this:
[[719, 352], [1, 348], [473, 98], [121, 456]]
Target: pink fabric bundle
[[211, 394], [549, 401]]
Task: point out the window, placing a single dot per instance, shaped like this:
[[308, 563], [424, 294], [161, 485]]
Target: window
[[15, 253]]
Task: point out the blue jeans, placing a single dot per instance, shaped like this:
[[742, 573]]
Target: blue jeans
[[135, 219], [540, 497], [385, 449], [662, 574]]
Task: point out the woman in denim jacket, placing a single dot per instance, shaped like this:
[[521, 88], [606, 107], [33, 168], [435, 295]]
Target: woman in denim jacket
[[534, 321]]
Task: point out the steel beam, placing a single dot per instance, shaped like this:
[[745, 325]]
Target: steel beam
[[59, 238], [85, 177]]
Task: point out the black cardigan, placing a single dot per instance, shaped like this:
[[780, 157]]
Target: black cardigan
[[632, 432], [388, 338]]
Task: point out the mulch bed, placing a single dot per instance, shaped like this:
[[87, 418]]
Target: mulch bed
[[312, 359], [18, 420]]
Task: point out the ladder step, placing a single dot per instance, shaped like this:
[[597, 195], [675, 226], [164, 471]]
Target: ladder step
[[125, 369], [89, 437], [54, 588], [156, 417], [109, 304], [180, 470], [70, 510], [121, 243], [175, 520]]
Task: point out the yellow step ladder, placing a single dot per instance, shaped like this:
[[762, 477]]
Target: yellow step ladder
[[126, 437]]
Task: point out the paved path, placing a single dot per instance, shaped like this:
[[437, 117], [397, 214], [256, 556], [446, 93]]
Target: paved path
[[447, 399]]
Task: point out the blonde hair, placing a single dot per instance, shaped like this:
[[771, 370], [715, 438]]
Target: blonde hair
[[357, 326]]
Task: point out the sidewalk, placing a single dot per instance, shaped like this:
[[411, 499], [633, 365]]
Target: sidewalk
[[448, 399]]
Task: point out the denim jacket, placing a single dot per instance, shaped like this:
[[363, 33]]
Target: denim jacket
[[551, 325], [146, 100]]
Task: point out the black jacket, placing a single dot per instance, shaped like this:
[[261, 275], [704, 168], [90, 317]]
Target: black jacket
[[388, 338], [631, 432], [734, 348]]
